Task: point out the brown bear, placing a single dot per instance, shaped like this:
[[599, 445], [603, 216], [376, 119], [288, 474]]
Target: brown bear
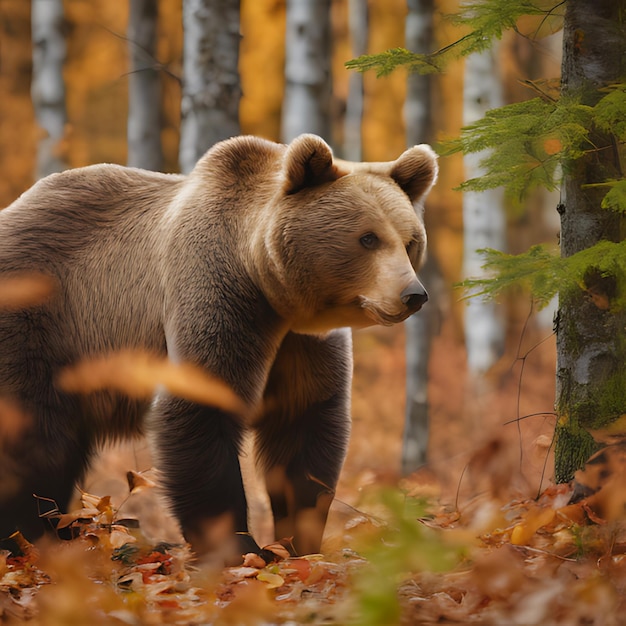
[[252, 267]]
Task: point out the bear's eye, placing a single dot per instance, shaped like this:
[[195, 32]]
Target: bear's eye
[[369, 241]]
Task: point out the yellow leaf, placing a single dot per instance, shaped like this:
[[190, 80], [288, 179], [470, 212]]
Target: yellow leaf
[[273, 581], [533, 521], [68, 518], [119, 537], [138, 482]]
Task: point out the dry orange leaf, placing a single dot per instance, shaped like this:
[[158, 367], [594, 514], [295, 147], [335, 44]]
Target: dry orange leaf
[[279, 548], [236, 574], [23, 290], [69, 518], [552, 146], [90, 500], [138, 482], [119, 537], [138, 374], [253, 560], [301, 568], [534, 520], [13, 421]]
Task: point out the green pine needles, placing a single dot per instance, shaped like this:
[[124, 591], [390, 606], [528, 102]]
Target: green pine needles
[[525, 144], [487, 19], [528, 145], [544, 273]]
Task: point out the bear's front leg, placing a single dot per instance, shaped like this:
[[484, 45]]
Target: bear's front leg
[[302, 435], [198, 449]]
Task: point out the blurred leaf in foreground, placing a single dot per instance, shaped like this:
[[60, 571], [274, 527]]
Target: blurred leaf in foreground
[[138, 374]]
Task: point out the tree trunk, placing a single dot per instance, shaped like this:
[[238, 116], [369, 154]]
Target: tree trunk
[[211, 85], [306, 106], [591, 339], [358, 21], [48, 86], [419, 328], [144, 87], [484, 223]]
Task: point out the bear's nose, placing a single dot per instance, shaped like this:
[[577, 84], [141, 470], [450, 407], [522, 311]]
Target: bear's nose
[[414, 296]]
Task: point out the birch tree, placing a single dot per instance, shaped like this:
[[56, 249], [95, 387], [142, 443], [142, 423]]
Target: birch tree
[[358, 23], [48, 86], [144, 87], [306, 105], [591, 330], [421, 327], [211, 83], [483, 215]]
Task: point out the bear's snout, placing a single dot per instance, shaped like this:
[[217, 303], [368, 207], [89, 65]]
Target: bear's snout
[[414, 296]]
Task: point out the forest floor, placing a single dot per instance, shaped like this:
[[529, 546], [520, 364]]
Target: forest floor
[[480, 535]]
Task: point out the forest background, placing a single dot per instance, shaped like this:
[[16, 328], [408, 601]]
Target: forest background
[[464, 413], [474, 419]]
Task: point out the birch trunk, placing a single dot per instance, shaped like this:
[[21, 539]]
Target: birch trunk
[[144, 87], [48, 86], [211, 84], [306, 105], [421, 327], [483, 216], [591, 339], [358, 19]]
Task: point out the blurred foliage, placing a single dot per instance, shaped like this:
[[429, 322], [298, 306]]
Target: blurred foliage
[[398, 543], [615, 198]]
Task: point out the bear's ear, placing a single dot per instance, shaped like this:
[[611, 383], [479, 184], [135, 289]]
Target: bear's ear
[[308, 162], [416, 171]]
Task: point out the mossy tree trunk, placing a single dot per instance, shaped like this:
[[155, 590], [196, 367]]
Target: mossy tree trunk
[[591, 333]]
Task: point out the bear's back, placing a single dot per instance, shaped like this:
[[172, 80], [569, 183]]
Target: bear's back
[[64, 213]]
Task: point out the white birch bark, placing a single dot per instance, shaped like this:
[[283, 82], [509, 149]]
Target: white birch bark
[[358, 22], [211, 84], [48, 86], [420, 327], [144, 87], [483, 216], [306, 106]]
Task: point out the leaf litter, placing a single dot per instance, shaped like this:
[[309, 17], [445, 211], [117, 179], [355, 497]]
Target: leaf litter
[[557, 559]]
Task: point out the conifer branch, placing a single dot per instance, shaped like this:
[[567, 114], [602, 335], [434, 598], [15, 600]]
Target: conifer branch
[[544, 273], [487, 19], [525, 144]]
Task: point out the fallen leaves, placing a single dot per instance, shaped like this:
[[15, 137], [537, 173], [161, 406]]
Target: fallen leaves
[[544, 560], [20, 578]]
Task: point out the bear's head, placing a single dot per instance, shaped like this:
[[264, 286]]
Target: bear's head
[[343, 241]]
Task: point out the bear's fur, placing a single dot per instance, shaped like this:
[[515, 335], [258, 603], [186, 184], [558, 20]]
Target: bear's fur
[[250, 268]]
